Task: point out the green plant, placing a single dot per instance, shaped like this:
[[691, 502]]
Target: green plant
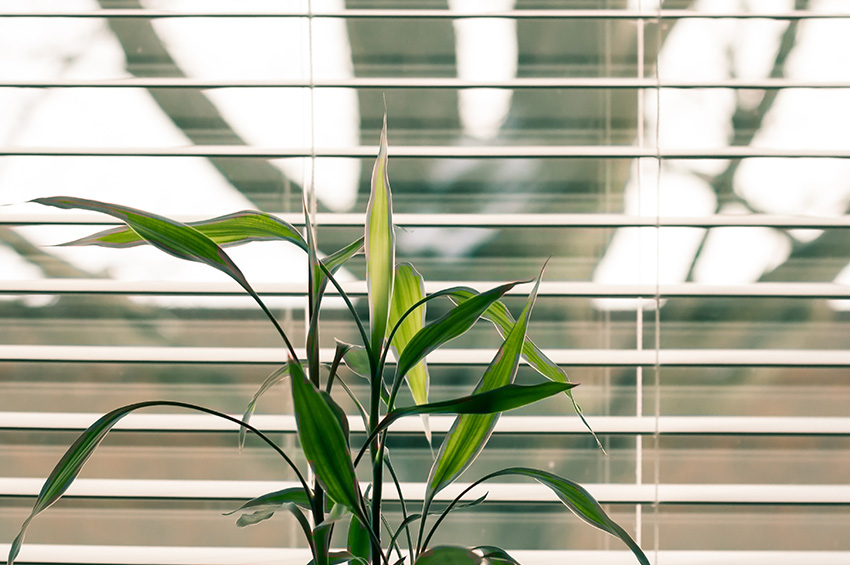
[[396, 320]]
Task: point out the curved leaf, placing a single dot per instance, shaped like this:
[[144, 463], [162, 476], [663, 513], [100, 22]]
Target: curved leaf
[[229, 230], [323, 441], [501, 399], [449, 555], [577, 499], [495, 555], [280, 374], [263, 507], [380, 245], [334, 261], [357, 360], [453, 324], [501, 318], [72, 462], [470, 432], [172, 237], [408, 290]]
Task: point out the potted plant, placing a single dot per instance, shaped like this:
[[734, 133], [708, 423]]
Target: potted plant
[[334, 497]]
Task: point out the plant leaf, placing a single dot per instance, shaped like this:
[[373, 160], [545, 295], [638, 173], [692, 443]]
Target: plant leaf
[[323, 441], [312, 342], [495, 555], [380, 245], [359, 543], [470, 432], [408, 289], [357, 360], [336, 260], [578, 500], [501, 318], [272, 501], [337, 557], [176, 239], [501, 399], [172, 237], [449, 555], [280, 374], [230, 230], [453, 324], [76, 456]]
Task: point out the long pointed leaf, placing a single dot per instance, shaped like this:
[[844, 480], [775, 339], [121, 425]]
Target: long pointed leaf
[[230, 230], [313, 300], [75, 458], [380, 245], [323, 441], [172, 237], [453, 324], [501, 399], [470, 432], [502, 320], [409, 289], [576, 498]]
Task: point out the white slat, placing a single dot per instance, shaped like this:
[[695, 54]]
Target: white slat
[[565, 357], [609, 493]]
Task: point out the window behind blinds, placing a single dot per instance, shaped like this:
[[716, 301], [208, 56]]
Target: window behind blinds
[[684, 167]]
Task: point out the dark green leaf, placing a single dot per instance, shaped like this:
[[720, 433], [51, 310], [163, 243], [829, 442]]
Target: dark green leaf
[[501, 399], [495, 555], [380, 245], [470, 432], [449, 555], [270, 381], [226, 231], [577, 499], [174, 238], [72, 462], [359, 543], [323, 441], [453, 324], [502, 320]]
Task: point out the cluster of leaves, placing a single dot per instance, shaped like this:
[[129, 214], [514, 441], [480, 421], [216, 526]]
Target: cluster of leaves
[[397, 322]]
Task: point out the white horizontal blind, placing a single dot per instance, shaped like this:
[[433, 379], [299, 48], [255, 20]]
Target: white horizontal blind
[[683, 166]]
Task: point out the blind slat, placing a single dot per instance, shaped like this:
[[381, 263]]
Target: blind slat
[[546, 425], [358, 288], [434, 152], [455, 356], [604, 14], [153, 555], [430, 83], [484, 220], [609, 493]]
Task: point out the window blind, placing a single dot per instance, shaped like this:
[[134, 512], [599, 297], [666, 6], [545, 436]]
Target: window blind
[[683, 165]]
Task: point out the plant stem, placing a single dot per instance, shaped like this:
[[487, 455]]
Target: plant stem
[[376, 451]]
